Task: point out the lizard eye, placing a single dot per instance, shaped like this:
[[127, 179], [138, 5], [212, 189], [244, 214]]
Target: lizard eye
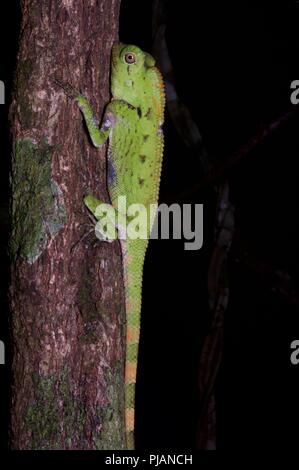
[[130, 58]]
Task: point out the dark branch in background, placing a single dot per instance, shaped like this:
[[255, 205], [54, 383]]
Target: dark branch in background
[[218, 289], [189, 133], [220, 172], [216, 176]]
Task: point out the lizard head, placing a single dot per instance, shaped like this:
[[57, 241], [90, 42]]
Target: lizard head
[[129, 67]]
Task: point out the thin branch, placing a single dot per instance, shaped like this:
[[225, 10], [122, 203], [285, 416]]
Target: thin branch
[[221, 172]]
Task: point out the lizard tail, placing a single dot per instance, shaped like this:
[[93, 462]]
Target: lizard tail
[[133, 267]]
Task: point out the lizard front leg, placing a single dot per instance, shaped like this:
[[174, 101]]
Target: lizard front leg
[[98, 135]]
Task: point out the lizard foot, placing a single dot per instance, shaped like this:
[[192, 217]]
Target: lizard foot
[[68, 89], [105, 228]]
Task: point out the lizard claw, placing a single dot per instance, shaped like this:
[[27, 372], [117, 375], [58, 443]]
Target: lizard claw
[[68, 89]]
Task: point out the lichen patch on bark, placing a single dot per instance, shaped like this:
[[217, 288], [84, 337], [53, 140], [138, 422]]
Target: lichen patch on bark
[[37, 208]]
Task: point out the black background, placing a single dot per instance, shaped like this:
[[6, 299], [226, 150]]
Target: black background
[[233, 64]]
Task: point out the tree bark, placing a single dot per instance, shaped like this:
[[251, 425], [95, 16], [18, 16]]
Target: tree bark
[[66, 293]]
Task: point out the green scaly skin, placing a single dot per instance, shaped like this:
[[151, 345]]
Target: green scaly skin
[[132, 121]]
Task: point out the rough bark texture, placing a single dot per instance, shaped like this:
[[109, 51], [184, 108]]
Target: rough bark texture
[[66, 292]]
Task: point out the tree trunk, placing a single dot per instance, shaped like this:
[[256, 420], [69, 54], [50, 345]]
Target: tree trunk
[[66, 293]]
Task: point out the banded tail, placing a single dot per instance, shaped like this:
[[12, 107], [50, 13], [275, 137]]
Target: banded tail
[[133, 252]]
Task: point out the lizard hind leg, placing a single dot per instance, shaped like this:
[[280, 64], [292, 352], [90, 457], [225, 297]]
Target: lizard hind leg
[[105, 229]]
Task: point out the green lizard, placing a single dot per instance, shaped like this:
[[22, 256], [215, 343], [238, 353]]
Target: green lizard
[[133, 123]]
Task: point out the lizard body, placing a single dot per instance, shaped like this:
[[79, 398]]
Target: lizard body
[[132, 122]]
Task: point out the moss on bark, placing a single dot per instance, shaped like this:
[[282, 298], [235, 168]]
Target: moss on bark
[[36, 213]]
